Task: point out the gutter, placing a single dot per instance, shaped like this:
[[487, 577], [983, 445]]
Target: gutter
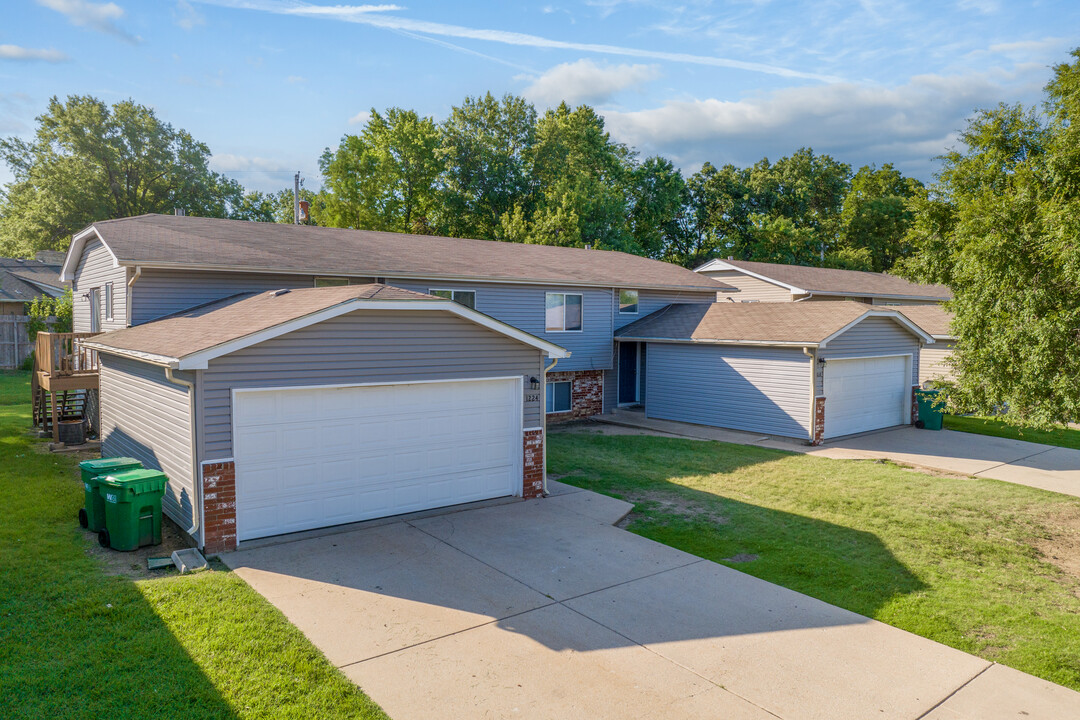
[[196, 476], [543, 404]]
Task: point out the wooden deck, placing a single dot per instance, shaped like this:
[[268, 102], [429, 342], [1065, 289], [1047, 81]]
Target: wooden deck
[[64, 373]]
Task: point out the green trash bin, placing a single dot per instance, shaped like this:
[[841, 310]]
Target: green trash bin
[[930, 417], [92, 515], [132, 508]]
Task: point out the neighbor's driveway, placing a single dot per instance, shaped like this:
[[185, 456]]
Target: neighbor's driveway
[[542, 609], [1041, 466]]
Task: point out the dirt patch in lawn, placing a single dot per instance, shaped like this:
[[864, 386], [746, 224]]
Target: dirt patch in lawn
[[1062, 548], [132, 565], [674, 504]]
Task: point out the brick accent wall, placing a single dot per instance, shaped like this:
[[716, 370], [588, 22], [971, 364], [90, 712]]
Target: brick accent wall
[[219, 506], [586, 394], [914, 405], [533, 475], [819, 421]]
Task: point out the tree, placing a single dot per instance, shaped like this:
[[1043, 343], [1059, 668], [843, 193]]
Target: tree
[[1001, 226], [385, 177], [658, 202], [90, 162], [876, 216], [484, 150]]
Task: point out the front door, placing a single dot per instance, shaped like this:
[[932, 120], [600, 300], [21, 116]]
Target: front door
[[95, 310], [628, 373]]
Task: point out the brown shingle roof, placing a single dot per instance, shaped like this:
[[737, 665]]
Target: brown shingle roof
[[767, 323], [222, 321], [847, 282], [193, 242], [934, 319]]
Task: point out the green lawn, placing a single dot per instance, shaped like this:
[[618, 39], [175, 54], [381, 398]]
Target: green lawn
[[1063, 437], [78, 643], [967, 562]]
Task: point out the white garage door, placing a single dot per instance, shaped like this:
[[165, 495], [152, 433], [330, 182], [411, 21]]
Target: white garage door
[[316, 457], [866, 394]]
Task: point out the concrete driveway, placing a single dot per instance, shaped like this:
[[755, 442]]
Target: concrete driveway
[[543, 609], [1015, 461]]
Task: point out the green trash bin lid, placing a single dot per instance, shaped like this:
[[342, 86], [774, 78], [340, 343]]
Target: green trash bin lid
[[105, 465], [136, 481]]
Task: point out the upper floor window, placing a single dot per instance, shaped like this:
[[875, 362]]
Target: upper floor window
[[563, 312], [331, 281], [628, 302], [108, 301], [461, 297]]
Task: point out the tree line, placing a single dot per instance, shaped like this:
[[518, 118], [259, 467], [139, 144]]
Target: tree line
[[494, 169]]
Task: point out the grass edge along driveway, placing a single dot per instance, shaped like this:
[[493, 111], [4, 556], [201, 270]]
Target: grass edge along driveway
[[1061, 437], [986, 567], [79, 643]]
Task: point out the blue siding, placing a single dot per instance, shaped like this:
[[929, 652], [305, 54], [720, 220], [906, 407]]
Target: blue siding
[[649, 301], [757, 389], [874, 336], [523, 307]]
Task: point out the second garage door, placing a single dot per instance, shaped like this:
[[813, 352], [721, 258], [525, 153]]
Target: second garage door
[[316, 457], [866, 394]]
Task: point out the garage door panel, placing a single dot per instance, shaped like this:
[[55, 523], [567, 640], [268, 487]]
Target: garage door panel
[[865, 394], [317, 457]]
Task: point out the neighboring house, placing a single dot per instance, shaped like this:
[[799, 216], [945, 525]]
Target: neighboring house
[[805, 370], [22, 281], [127, 272], [772, 282], [937, 321], [282, 411]]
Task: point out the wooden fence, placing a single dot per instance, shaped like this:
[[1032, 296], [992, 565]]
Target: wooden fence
[[15, 345]]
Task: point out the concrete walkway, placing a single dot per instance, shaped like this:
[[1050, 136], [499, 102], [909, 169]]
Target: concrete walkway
[[543, 609], [1041, 466]]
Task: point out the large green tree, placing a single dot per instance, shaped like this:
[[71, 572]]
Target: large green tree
[[877, 214], [1001, 226], [88, 161]]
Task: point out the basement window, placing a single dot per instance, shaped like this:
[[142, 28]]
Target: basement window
[[558, 397]]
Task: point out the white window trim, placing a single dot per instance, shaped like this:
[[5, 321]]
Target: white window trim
[[564, 294], [637, 303], [559, 382], [109, 300], [432, 291]]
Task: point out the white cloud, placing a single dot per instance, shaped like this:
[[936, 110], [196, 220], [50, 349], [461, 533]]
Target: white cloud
[[907, 125], [360, 118], [374, 15], [296, 79], [186, 16], [96, 16], [15, 52], [586, 82]]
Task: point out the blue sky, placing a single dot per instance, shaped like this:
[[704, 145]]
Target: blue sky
[[268, 84]]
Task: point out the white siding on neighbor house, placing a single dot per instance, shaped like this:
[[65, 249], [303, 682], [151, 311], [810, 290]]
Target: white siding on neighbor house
[[932, 361], [757, 389], [522, 306], [146, 417], [363, 347], [874, 336], [95, 270], [749, 288]]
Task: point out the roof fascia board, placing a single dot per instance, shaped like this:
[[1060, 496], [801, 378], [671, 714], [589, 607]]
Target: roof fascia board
[[886, 296], [414, 276], [152, 358], [199, 360], [721, 265], [899, 318], [702, 341], [78, 242]]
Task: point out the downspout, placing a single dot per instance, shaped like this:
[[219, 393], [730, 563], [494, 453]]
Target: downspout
[[813, 391], [127, 300], [807, 296], [543, 485], [196, 478]]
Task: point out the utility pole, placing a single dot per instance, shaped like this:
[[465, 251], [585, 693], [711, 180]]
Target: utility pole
[[296, 198]]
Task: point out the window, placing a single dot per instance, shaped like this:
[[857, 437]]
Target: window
[[558, 397], [628, 302], [331, 281], [563, 312], [108, 301], [461, 297]]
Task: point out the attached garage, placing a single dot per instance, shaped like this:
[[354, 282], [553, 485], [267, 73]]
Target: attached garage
[[802, 370], [317, 407]]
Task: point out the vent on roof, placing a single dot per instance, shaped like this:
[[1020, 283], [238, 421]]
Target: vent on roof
[[277, 293]]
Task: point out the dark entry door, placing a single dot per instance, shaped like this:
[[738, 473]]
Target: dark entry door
[[628, 369]]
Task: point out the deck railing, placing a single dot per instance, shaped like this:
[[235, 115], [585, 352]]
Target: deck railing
[[60, 354]]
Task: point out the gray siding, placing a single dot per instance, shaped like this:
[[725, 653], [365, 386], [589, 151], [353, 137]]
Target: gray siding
[[874, 336], [362, 347], [764, 390], [146, 417], [750, 288], [522, 306], [649, 301], [94, 270], [162, 292], [932, 362]]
